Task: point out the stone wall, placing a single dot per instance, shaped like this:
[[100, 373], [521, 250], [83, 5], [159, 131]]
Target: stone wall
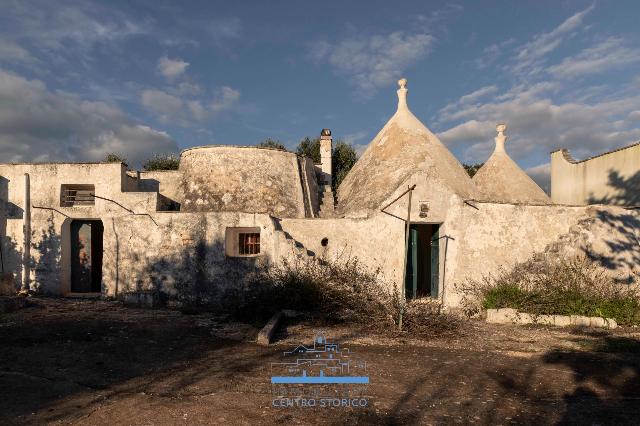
[[50, 268], [247, 179], [181, 254], [377, 242], [166, 182], [611, 178], [481, 241]]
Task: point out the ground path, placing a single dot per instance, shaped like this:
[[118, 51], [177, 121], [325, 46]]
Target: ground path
[[95, 362]]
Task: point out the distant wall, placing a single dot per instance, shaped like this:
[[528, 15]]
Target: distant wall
[[612, 178], [166, 182], [248, 179]]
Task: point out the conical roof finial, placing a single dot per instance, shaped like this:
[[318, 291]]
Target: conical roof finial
[[402, 93], [501, 138]]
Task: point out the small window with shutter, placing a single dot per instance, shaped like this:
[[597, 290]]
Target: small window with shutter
[[77, 195]]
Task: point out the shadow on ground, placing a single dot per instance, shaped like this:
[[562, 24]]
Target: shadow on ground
[[98, 363]]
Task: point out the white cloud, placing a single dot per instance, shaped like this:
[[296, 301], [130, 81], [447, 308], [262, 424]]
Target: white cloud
[[468, 99], [353, 138], [162, 103], [376, 61], [12, 52], [225, 99], [171, 68], [539, 124], [171, 108], [491, 53], [36, 123], [608, 54], [532, 54], [196, 108], [56, 26]]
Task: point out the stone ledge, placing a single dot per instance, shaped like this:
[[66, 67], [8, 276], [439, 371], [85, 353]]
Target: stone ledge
[[512, 316], [267, 332]]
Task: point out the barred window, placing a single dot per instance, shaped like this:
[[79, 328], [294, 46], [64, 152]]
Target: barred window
[[77, 195], [242, 241], [249, 243]]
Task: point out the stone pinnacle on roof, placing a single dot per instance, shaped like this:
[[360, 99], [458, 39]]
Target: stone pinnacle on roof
[[501, 179], [402, 93], [501, 138]]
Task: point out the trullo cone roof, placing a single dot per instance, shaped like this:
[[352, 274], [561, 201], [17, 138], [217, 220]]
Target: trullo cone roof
[[402, 148], [501, 179]]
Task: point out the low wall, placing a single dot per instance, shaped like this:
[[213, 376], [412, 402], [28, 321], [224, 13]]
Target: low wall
[[611, 178], [166, 182]]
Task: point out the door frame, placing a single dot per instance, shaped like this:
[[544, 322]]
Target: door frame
[[65, 257], [412, 287]]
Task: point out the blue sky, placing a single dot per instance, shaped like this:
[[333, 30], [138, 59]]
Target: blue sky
[[79, 79]]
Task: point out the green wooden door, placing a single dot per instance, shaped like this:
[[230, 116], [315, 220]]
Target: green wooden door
[[411, 283], [434, 261]]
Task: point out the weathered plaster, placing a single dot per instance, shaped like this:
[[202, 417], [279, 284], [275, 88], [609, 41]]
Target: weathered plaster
[[611, 178], [250, 179]]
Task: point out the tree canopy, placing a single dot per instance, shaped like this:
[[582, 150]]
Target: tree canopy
[[310, 148], [271, 143], [113, 157], [343, 157], [472, 169], [161, 162]]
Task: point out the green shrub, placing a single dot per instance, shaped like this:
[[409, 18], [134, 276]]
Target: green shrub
[[161, 162], [568, 287], [272, 143]]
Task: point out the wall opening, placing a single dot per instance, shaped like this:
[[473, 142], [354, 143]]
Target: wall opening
[[422, 261], [242, 241], [77, 195], [86, 256]]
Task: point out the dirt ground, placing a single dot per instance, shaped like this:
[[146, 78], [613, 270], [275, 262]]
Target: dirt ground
[[96, 362]]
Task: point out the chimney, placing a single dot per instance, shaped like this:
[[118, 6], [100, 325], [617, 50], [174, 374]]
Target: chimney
[[326, 145]]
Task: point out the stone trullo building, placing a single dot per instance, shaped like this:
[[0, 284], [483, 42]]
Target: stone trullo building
[[97, 228]]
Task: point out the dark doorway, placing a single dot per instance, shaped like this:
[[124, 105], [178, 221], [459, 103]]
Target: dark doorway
[[422, 261], [86, 256]]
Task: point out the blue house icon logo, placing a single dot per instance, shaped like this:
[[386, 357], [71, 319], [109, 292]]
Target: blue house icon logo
[[323, 362]]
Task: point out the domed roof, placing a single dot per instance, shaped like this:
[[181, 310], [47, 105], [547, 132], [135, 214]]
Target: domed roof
[[401, 149], [501, 179]]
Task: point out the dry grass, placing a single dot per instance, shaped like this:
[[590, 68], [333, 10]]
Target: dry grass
[[341, 291]]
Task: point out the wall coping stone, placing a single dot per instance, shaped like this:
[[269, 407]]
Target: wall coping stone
[[512, 316]]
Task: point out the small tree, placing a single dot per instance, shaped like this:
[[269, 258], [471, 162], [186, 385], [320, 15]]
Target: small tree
[[472, 169], [161, 162], [310, 148], [343, 159], [272, 143], [112, 157]]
